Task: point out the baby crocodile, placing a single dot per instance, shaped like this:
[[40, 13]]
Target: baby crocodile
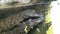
[[13, 22]]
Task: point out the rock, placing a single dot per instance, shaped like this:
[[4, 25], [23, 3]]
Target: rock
[[7, 2], [24, 1]]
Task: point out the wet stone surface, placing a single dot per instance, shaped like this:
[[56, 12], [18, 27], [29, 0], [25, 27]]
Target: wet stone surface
[[15, 23], [14, 1]]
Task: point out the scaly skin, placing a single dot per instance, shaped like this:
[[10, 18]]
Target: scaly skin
[[13, 22]]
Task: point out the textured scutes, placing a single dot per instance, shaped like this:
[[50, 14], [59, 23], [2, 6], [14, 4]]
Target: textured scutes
[[17, 30], [10, 21]]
